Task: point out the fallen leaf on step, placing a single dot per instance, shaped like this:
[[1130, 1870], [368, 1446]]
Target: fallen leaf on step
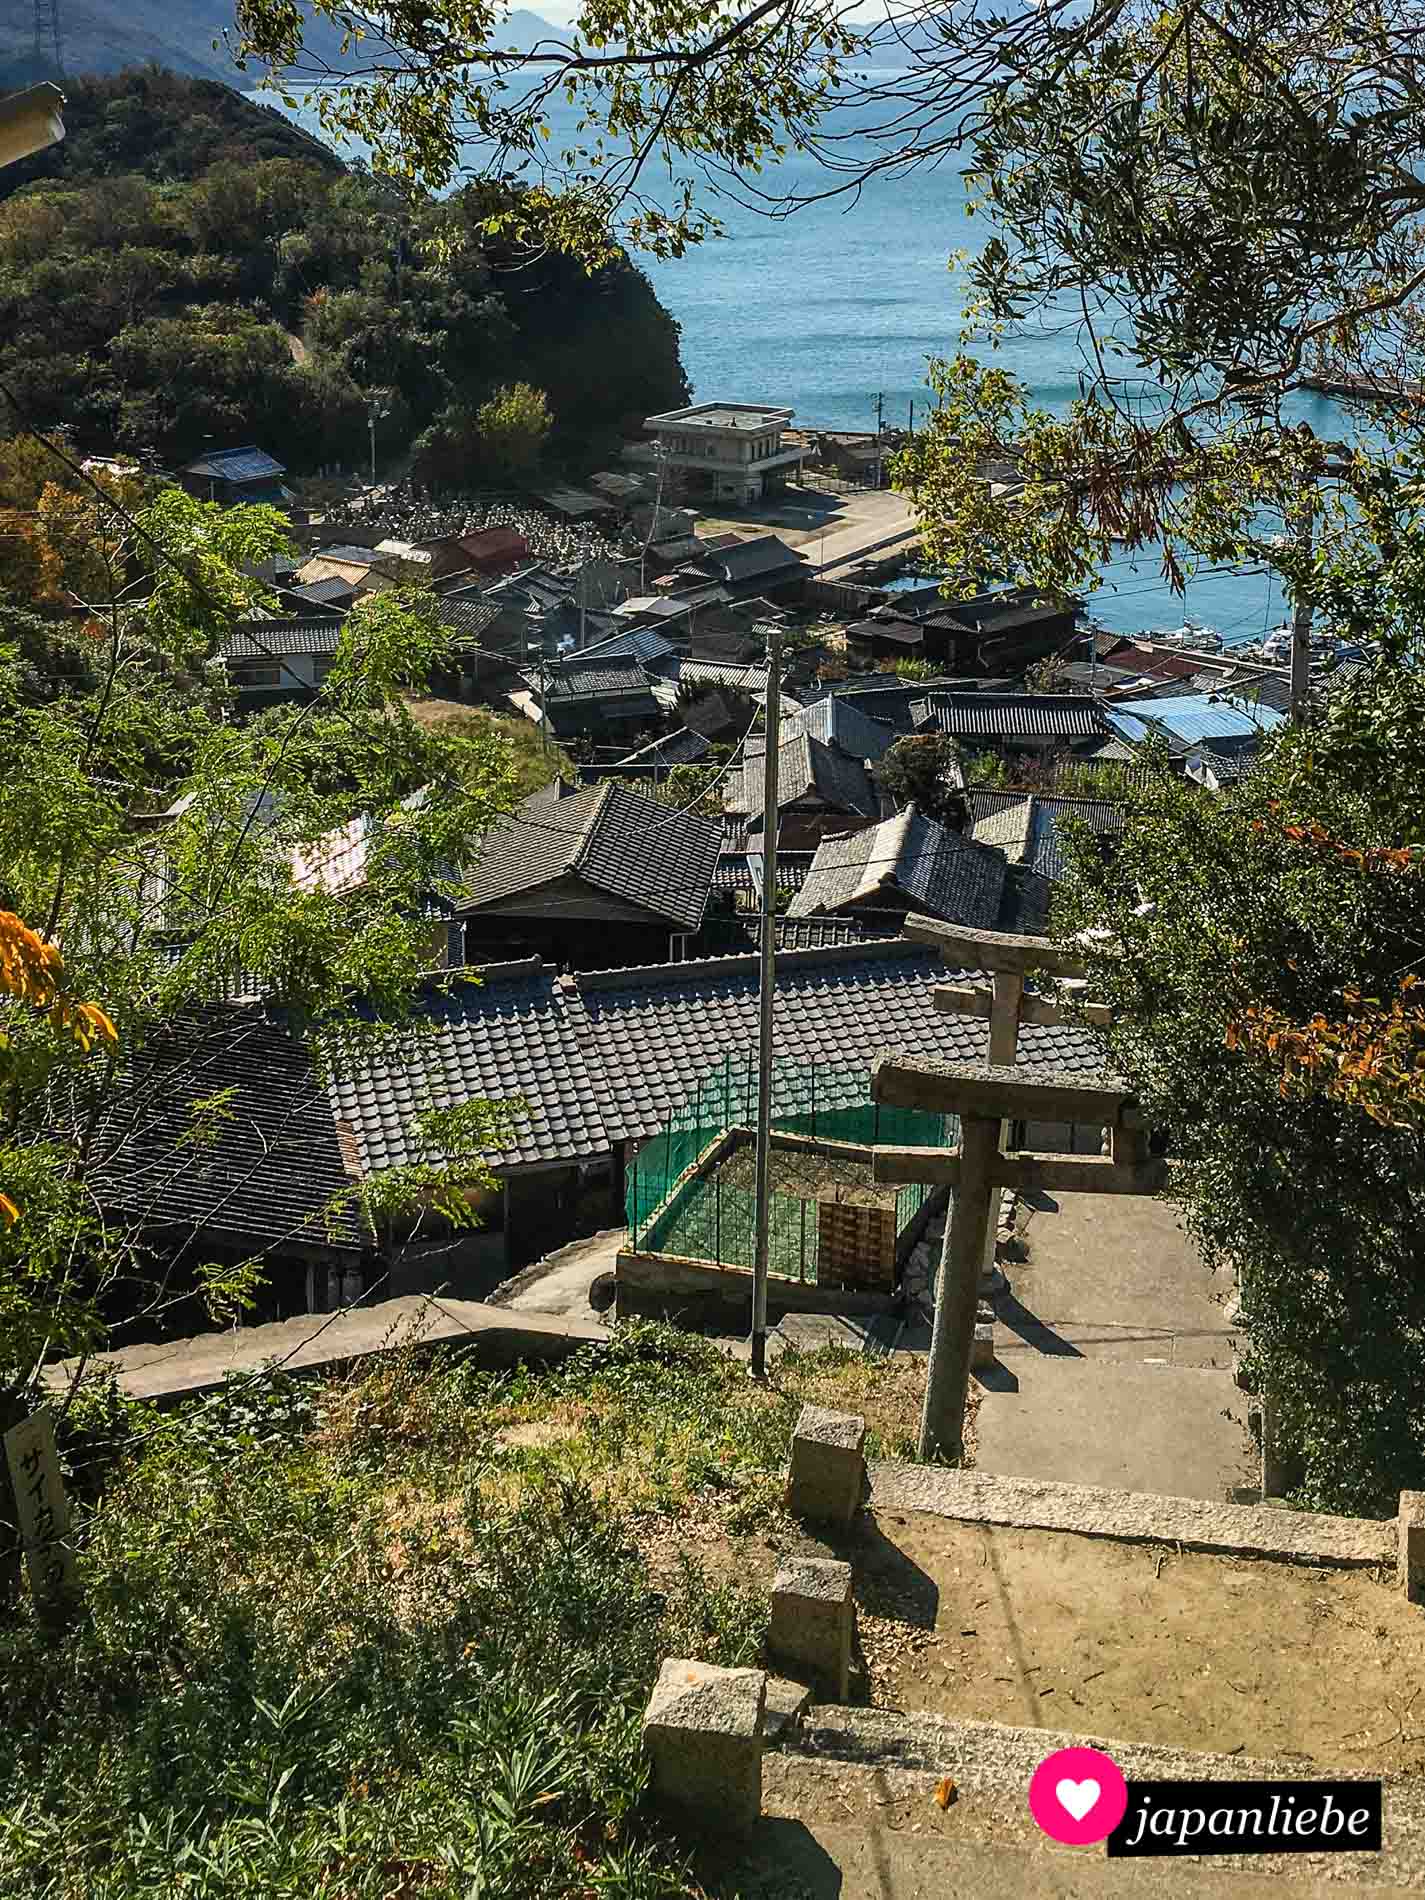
[[945, 1792]]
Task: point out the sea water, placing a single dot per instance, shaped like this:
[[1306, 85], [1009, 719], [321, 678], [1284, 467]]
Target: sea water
[[843, 304]]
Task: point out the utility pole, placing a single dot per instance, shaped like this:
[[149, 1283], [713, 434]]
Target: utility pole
[[912, 416], [371, 431], [880, 408], [766, 993]]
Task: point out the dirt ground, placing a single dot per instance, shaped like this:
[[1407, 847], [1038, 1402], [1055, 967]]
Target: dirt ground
[[1130, 1642], [1141, 1643]]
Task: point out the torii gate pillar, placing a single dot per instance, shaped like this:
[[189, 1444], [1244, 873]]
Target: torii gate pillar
[[984, 1097]]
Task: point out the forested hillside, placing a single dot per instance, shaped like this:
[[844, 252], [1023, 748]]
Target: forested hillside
[[191, 271]]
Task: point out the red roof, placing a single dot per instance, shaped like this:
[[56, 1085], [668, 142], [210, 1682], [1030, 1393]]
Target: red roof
[[495, 546]]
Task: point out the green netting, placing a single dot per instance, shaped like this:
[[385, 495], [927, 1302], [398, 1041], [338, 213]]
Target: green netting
[[711, 1214]]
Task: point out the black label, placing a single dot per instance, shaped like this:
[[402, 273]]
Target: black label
[[1249, 1817]]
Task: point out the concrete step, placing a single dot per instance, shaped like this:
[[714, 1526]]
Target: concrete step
[[850, 1810]]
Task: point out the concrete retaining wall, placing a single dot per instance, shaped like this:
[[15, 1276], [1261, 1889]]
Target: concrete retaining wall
[[663, 1286]]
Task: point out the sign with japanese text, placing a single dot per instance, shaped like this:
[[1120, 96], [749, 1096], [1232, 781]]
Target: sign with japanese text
[[42, 1510]]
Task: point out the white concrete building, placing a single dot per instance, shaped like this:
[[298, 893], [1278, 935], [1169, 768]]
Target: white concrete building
[[730, 451]]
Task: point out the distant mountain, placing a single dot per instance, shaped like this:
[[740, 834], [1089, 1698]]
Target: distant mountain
[[187, 36]]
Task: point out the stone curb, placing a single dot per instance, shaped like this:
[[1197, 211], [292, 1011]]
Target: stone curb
[[980, 1497]]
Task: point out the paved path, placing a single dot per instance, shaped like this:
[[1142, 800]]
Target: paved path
[[316, 1343], [1114, 1359], [562, 1281]]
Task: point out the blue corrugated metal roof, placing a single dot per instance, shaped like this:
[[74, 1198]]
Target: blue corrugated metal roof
[[1191, 718], [236, 465]]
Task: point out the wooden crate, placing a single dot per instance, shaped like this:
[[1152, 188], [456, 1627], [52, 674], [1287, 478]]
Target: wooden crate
[[856, 1246]]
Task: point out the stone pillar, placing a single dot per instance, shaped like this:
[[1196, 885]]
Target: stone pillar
[[1410, 1550], [812, 1620], [703, 1732], [828, 1466], [1274, 1482]]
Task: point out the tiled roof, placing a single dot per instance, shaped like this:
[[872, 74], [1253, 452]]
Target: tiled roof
[[807, 768], [746, 559], [259, 639], [347, 554], [605, 1057], [579, 678], [889, 701], [942, 873], [268, 1160], [742, 871], [837, 722], [752, 679], [630, 847], [1011, 715], [655, 1031], [322, 593], [469, 617], [1228, 768], [512, 1036], [675, 748], [1028, 828], [644, 644]]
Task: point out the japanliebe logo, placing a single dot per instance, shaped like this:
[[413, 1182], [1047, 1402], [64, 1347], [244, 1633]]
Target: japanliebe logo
[[1078, 1796]]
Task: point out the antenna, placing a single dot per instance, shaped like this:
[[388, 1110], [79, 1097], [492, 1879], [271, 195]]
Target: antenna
[[47, 36]]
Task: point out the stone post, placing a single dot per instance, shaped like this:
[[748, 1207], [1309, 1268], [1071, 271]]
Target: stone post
[[703, 1732], [1410, 1551], [1274, 1483], [828, 1466], [812, 1620]]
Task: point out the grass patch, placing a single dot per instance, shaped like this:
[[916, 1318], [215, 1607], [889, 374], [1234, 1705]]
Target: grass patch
[[535, 764], [393, 1636]]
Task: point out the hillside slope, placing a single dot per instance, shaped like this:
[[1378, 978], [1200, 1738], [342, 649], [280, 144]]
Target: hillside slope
[[188, 269], [187, 36]]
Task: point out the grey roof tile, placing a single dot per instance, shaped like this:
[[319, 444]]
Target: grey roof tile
[[269, 1160], [807, 768], [936, 869], [259, 639], [631, 847], [1011, 715]]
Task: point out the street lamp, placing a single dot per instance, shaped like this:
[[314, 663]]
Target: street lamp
[[30, 121]]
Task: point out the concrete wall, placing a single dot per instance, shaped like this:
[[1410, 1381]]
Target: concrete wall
[[695, 1294]]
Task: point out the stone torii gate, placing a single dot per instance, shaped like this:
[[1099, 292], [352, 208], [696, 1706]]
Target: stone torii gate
[[985, 1097], [1004, 1002]]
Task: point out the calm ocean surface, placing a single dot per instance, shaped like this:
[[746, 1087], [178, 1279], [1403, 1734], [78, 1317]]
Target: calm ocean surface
[[851, 297]]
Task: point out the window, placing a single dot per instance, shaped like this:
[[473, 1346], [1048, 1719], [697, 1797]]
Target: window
[[257, 675], [321, 667]]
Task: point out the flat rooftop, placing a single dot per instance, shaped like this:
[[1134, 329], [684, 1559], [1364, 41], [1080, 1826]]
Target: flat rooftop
[[724, 415]]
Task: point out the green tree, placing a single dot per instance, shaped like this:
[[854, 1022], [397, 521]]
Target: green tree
[[1224, 207], [658, 89], [511, 429], [1253, 950], [925, 769], [155, 919]]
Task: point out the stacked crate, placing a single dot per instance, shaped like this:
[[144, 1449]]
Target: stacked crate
[[856, 1245]]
